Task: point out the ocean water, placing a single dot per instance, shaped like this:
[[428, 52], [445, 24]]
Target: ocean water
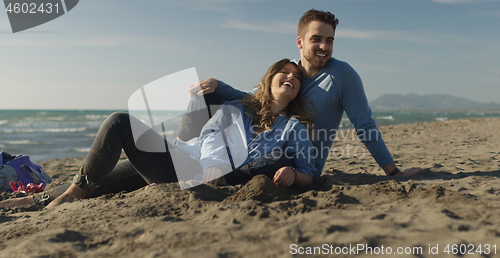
[[417, 116], [51, 134]]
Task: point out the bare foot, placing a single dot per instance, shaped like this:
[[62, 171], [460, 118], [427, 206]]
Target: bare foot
[[73, 192], [17, 201]]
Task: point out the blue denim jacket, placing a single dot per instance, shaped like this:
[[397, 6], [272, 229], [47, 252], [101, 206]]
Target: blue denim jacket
[[288, 136]]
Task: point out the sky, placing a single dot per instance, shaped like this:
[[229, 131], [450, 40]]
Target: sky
[[102, 51]]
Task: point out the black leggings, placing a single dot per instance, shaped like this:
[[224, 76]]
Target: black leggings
[[114, 135]]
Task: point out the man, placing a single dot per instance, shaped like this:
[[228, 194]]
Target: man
[[334, 86]]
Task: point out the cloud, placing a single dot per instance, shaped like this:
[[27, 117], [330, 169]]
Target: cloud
[[419, 37], [277, 27], [485, 14], [208, 5], [462, 1], [365, 34], [29, 42], [452, 1], [142, 41], [291, 28]]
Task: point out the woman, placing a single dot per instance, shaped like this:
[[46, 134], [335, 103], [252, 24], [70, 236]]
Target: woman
[[278, 141], [273, 121]]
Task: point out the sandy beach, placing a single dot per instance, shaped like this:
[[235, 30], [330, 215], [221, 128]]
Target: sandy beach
[[352, 210]]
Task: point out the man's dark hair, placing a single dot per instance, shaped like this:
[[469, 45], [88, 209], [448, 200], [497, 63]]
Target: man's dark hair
[[315, 15]]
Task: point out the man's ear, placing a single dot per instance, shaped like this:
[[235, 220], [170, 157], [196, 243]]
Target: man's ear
[[299, 42]]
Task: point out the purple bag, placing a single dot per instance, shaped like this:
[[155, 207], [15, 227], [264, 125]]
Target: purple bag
[[20, 168]]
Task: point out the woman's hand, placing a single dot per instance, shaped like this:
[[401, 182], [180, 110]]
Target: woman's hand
[[390, 168], [151, 185], [212, 175], [284, 177], [203, 87], [410, 172]]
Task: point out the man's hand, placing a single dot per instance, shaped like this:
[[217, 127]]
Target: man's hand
[[202, 87], [285, 176], [410, 172], [212, 175]]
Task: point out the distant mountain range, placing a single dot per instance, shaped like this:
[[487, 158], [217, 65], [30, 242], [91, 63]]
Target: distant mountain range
[[435, 101]]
